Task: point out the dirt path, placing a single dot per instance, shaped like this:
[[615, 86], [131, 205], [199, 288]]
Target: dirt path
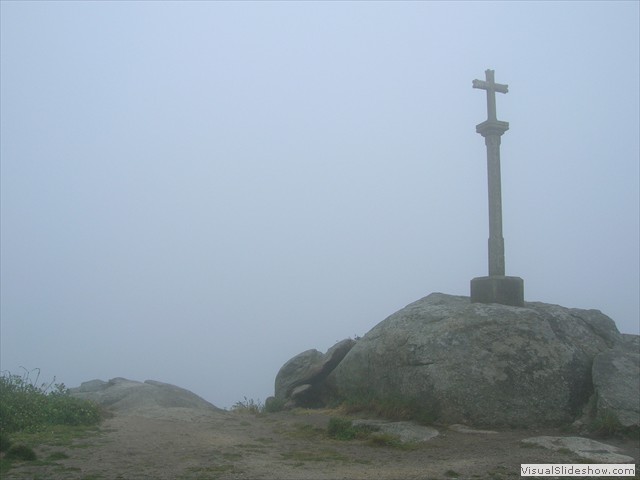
[[225, 445]]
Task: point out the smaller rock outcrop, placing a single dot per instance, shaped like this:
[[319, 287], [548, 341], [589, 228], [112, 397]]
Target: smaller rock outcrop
[[150, 398], [585, 448], [297, 371], [299, 381]]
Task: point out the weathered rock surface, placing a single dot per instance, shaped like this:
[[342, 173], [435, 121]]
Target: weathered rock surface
[[150, 398], [585, 448], [299, 381], [616, 381], [480, 364]]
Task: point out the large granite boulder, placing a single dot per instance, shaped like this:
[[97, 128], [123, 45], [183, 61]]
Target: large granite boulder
[[479, 364], [151, 398], [616, 381], [300, 380]]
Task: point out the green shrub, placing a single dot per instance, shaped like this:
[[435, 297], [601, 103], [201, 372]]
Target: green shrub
[[67, 410], [26, 407]]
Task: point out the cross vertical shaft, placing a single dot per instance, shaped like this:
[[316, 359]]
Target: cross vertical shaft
[[496, 240]]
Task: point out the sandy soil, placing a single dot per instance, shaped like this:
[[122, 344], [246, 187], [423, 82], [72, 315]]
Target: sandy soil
[[188, 444]]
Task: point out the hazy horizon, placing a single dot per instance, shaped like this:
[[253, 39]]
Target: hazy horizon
[[196, 192]]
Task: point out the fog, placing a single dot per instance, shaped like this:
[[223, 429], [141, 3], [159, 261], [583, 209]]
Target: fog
[[196, 192]]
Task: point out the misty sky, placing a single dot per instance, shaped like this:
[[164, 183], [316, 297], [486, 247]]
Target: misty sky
[[196, 192]]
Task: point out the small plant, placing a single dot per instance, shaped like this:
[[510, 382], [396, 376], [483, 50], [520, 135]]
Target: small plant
[[343, 429], [606, 424], [248, 406]]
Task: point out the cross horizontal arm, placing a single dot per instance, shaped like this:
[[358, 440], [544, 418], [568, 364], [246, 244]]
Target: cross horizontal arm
[[498, 87]]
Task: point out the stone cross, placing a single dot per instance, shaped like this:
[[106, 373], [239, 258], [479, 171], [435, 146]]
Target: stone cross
[[491, 87], [496, 288]]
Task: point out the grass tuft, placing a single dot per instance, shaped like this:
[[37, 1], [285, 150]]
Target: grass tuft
[[607, 425], [344, 429], [21, 452], [249, 405], [341, 429]]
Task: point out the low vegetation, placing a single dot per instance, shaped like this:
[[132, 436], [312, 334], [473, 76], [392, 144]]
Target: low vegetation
[[256, 407], [28, 409], [300, 457], [393, 408], [248, 405], [606, 425], [390, 407], [344, 429], [273, 405], [339, 428]]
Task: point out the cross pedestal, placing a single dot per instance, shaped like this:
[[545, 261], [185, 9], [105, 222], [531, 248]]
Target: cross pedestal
[[496, 288]]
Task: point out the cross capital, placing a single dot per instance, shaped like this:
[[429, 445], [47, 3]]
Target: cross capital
[[490, 85]]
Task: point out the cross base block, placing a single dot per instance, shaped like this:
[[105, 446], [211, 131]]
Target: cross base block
[[498, 289]]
